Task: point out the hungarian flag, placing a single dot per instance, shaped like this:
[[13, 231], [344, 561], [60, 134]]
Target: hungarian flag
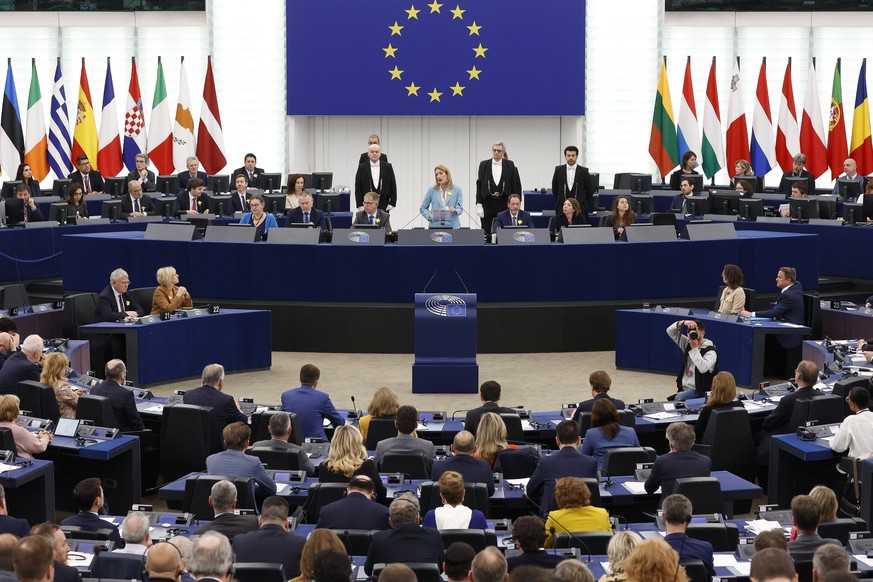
[[713, 144], [35, 142], [134, 121], [183, 129], [210, 136], [109, 156], [160, 131], [59, 128], [663, 146], [812, 135], [737, 132], [762, 150], [862, 151], [688, 133], [837, 149], [11, 134], [85, 133], [787, 136]]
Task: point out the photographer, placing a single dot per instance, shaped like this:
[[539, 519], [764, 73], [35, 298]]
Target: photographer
[[699, 362]]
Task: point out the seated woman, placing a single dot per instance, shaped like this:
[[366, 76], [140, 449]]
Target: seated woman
[[383, 405], [25, 175], [576, 512], [491, 438], [689, 160], [262, 221], [453, 514], [620, 547], [54, 374], [443, 203], [293, 189], [606, 433], [169, 296], [317, 542], [348, 457], [827, 502], [746, 188], [742, 168], [76, 206], [26, 442], [571, 214], [733, 298], [722, 397], [622, 217], [654, 561]]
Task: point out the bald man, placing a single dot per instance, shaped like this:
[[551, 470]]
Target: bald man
[[163, 562]]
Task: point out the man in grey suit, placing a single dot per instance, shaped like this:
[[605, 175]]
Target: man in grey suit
[[807, 514], [406, 422], [226, 522], [280, 431], [235, 463]]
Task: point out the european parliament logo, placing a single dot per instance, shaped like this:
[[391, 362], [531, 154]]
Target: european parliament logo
[[358, 236], [524, 236], [441, 236], [446, 306]]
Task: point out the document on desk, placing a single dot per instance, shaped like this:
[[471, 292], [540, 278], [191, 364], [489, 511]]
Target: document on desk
[[756, 526], [518, 482], [661, 415], [431, 427], [526, 425], [864, 560], [79, 560], [637, 487], [154, 408], [282, 488], [4, 467], [742, 568], [754, 404], [724, 561]]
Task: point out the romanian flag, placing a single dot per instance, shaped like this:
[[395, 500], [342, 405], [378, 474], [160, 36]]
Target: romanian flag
[[663, 144], [862, 151], [85, 133]]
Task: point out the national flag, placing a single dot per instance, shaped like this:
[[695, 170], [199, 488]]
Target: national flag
[[737, 132], [688, 133], [713, 144], [11, 134], [160, 138], [837, 149], [85, 133], [812, 137], [762, 149], [210, 136], [663, 146], [59, 132], [35, 142], [787, 136], [862, 151], [183, 129], [109, 156], [134, 121]]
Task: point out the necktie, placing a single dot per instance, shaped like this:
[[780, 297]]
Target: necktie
[[513, 219], [251, 178], [136, 205], [305, 217], [242, 202], [120, 304], [193, 203], [372, 219], [87, 183]]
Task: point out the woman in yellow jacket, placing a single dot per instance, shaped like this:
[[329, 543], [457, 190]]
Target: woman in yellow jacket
[[576, 512]]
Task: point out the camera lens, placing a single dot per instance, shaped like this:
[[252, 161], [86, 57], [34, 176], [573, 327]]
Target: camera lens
[[692, 334]]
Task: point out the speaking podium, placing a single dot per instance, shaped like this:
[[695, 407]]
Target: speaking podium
[[445, 344]]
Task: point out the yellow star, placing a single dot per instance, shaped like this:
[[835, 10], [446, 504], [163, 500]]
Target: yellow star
[[395, 73], [457, 89], [413, 89], [480, 51], [434, 95], [412, 12], [474, 29], [458, 13], [396, 29], [474, 73], [389, 52], [435, 7]]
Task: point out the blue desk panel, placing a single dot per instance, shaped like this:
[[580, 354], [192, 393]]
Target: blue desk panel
[[792, 459], [30, 491], [843, 324]]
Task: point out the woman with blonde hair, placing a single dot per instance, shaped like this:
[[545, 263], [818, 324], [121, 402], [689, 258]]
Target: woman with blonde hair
[[491, 438], [620, 548], [169, 296], [722, 397], [347, 458], [27, 443], [384, 404], [443, 202], [453, 514], [827, 500], [576, 512], [317, 542], [654, 561], [54, 374]]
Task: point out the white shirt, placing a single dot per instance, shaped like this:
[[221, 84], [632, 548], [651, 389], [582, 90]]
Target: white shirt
[[856, 435], [374, 173], [571, 176], [496, 171]]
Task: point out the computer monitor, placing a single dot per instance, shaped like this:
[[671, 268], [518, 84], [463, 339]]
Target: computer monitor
[[725, 202], [750, 208], [165, 206], [827, 207], [220, 205], [641, 204], [640, 183], [322, 180], [328, 203], [167, 184], [111, 209], [218, 183], [695, 179], [9, 187], [867, 206], [115, 186], [60, 187], [757, 182], [270, 182], [803, 208], [58, 213], [848, 189], [274, 203], [699, 205], [14, 211], [789, 181]]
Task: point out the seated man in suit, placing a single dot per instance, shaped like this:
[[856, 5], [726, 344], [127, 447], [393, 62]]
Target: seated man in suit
[[210, 394], [234, 462], [239, 198], [677, 513], [135, 532], [567, 462], [306, 214], [135, 204], [226, 522], [280, 431], [114, 303], [463, 461], [600, 383], [88, 495], [251, 173], [312, 406], [357, 510], [489, 394], [163, 562], [193, 171], [372, 214], [31, 211], [123, 403], [513, 215], [406, 541], [194, 200], [90, 179], [8, 524], [807, 513], [681, 461], [782, 351], [529, 533], [273, 542], [680, 201], [53, 535], [405, 443], [142, 174], [33, 560], [22, 365]]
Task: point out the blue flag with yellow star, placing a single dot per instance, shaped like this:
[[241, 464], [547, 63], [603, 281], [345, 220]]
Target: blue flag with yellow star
[[448, 57]]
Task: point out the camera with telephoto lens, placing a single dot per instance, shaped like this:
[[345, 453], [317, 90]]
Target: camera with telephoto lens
[[693, 334]]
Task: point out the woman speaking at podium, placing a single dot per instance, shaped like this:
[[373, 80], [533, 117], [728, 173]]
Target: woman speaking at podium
[[169, 296], [443, 203]]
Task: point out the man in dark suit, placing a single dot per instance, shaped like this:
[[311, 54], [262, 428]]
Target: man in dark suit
[[53, 535], [462, 461], [567, 462], [142, 174], [407, 541], [781, 351], [91, 180], [681, 461], [405, 443], [121, 399], [226, 522], [251, 173], [798, 171], [163, 562], [193, 171], [234, 462], [114, 303], [33, 560], [496, 180], [22, 365], [807, 514], [376, 176], [280, 431], [513, 215], [372, 214], [489, 393], [306, 214], [373, 139], [8, 524], [273, 542], [135, 204], [600, 383], [31, 212], [357, 510], [312, 406], [194, 200], [211, 558], [529, 533], [571, 180], [210, 394], [88, 495], [239, 197], [677, 513]]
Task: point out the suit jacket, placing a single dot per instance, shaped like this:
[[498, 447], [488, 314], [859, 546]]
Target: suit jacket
[[777, 421], [582, 190], [676, 177], [150, 181], [789, 308], [183, 178], [14, 525], [690, 548], [810, 182], [255, 182], [226, 410], [17, 368], [236, 204], [354, 511], [473, 470], [202, 202], [94, 177], [386, 188], [33, 214], [232, 463], [504, 219], [805, 545], [271, 543], [303, 462], [316, 217], [91, 522], [383, 157], [495, 195], [671, 466], [123, 405], [107, 306], [408, 445], [471, 421], [145, 203], [65, 573], [383, 218], [587, 405], [230, 525], [405, 543], [567, 462], [312, 407], [539, 558]]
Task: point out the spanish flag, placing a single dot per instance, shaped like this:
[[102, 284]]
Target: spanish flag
[[663, 143], [85, 133], [862, 150]]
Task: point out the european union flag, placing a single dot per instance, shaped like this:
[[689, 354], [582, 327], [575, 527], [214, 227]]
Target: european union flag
[[449, 57], [456, 310]]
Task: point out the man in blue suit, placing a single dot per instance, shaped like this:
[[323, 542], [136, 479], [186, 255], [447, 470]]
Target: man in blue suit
[[22, 365], [8, 524], [312, 406], [567, 462], [681, 461], [193, 171], [123, 404], [677, 515], [88, 495], [472, 469], [306, 214], [273, 542], [233, 462], [357, 510], [513, 215], [210, 394]]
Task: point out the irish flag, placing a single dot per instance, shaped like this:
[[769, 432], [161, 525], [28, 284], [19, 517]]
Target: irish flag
[[35, 142]]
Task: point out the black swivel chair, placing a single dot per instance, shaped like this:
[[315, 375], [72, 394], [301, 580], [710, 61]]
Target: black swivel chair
[[74, 531], [625, 418], [143, 296], [623, 460], [7, 440], [320, 494], [751, 298], [724, 537], [260, 424], [695, 570], [198, 488], [843, 387], [729, 436], [514, 432], [13, 296], [840, 528], [188, 433], [475, 496], [812, 313], [379, 430], [412, 465], [479, 539], [259, 572], [78, 310], [703, 492], [356, 541], [275, 458], [516, 463], [97, 409], [31, 399], [824, 408], [424, 572], [118, 566], [593, 542]]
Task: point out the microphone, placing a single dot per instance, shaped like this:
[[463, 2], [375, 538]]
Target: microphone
[[461, 280], [410, 222], [355, 409], [457, 411], [269, 185], [608, 479], [429, 281]]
